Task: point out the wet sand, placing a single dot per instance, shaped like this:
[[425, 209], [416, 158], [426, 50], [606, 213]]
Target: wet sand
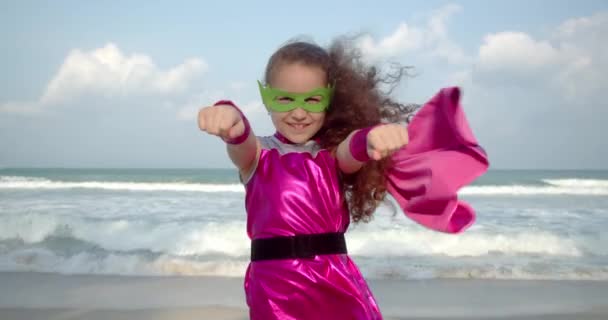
[[37, 296]]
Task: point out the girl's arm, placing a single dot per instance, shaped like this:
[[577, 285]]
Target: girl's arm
[[245, 155], [373, 143], [346, 162], [225, 120]]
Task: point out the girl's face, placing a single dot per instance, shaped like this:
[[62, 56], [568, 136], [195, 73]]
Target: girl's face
[[298, 125]]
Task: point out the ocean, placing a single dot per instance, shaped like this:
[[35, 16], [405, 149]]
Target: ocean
[[531, 224]]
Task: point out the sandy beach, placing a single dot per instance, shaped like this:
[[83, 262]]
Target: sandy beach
[[34, 296]]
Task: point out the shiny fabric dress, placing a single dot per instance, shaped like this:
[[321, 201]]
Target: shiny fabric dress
[[295, 190]]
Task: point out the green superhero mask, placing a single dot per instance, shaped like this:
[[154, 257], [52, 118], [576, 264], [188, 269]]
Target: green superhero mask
[[316, 100]]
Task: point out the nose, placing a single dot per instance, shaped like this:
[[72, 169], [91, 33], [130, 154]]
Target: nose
[[299, 114]]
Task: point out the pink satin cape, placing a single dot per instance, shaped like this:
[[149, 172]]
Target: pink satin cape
[[295, 190]]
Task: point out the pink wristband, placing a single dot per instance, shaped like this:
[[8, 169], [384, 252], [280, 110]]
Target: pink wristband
[[358, 144], [240, 139]]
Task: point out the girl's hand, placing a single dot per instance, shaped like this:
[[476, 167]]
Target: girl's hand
[[222, 120], [384, 140]]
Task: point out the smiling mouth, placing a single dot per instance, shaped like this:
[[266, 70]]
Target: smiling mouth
[[299, 126]]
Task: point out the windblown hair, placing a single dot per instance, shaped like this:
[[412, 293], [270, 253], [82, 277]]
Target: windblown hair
[[358, 102]]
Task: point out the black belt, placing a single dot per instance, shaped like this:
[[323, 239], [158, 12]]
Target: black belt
[[298, 246]]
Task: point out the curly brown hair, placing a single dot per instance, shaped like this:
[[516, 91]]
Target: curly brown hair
[[358, 102]]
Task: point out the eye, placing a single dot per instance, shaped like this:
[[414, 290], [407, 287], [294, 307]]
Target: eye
[[312, 100], [284, 100]]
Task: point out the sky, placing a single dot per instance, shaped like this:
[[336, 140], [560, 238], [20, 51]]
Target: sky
[[118, 84]]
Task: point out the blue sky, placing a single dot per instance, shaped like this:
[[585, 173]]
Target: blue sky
[[118, 84]]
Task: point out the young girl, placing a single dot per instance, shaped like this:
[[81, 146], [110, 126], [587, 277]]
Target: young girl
[[340, 145]]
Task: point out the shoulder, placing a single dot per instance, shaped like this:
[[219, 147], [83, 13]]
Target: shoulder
[[269, 142]]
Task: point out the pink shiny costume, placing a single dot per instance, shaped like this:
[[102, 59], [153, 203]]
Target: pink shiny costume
[[295, 190]]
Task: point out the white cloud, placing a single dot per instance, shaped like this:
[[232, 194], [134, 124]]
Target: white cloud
[[539, 99], [583, 43], [404, 39], [574, 27], [432, 39], [515, 52], [108, 72], [573, 63]]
